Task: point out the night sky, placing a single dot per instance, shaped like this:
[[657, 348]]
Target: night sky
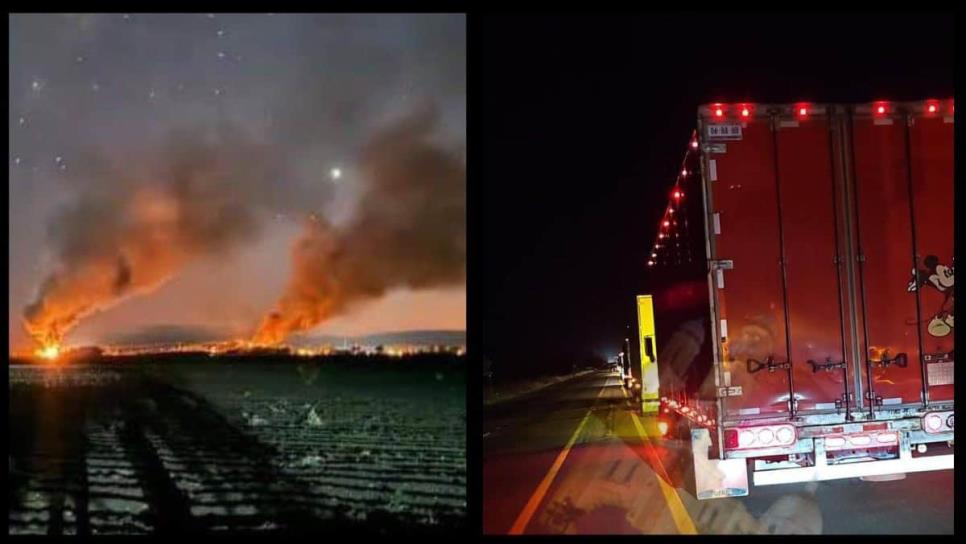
[[585, 123], [90, 89]]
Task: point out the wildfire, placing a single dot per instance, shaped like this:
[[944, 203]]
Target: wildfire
[[49, 352]]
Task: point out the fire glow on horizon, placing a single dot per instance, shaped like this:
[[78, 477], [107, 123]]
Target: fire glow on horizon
[[242, 347]]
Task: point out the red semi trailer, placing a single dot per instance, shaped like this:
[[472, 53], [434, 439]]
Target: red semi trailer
[[828, 295]]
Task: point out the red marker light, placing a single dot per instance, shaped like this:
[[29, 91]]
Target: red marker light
[[677, 194], [650, 263], [694, 144], [684, 172], [661, 235], [667, 223]]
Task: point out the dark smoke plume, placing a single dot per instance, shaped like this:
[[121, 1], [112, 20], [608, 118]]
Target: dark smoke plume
[[409, 230], [136, 224]]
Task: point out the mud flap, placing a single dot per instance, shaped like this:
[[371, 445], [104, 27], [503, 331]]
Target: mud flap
[[716, 478]]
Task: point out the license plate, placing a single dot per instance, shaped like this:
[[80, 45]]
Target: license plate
[[723, 131]]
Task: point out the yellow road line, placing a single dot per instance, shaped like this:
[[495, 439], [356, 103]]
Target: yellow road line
[[678, 512], [531, 507]]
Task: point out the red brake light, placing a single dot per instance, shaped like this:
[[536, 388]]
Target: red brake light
[[718, 112], [662, 426], [933, 422], [745, 112], [932, 108], [803, 111], [834, 441], [762, 437], [887, 438]]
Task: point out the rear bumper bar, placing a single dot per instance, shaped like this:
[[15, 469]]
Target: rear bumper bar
[[823, 471]]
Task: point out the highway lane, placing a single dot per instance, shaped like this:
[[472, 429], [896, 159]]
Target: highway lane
[[575, 459]]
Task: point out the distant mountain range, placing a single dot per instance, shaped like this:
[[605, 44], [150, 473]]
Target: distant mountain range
[[170, 334]]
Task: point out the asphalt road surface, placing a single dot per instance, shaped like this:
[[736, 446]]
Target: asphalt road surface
[[575, 459]]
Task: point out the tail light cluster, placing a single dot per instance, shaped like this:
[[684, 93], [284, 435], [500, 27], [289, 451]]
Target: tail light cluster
[[765, 436], [938, 422], [861, 440]]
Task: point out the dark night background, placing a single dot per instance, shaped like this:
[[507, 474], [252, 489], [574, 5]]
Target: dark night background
[[585, 122]]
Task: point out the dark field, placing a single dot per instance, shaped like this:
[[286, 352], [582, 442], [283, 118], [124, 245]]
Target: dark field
[[197, 444]]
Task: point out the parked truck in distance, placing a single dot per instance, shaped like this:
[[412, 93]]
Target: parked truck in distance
[[822, 312]]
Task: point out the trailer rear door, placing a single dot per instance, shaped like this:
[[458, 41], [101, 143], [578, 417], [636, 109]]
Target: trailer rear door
[[812, 268], [931, 161], [749, 297], [884, 214]]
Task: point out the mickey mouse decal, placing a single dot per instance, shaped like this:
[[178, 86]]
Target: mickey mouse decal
[[939, 277]]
